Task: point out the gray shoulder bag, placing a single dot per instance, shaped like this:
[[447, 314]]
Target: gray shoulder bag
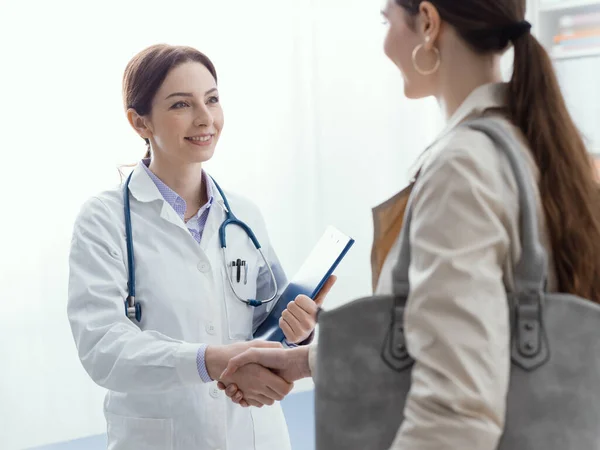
[[364, 369]]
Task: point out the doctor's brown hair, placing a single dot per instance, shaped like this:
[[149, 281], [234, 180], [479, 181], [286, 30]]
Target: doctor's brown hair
[[569, 192], [147, 70]]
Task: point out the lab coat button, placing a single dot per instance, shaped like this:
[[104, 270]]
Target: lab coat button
[[210, 328], [203, 267], [214, 392]]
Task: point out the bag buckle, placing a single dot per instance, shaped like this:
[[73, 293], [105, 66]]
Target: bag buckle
[[394, 352], [529, 341]]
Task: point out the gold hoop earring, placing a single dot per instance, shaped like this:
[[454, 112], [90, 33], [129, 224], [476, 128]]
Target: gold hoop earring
[[437, 63]]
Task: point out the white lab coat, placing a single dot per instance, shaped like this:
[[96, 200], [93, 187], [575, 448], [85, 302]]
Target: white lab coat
[[156, 399]]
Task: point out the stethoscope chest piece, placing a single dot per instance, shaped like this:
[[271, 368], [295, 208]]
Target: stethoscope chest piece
[[133, 309]]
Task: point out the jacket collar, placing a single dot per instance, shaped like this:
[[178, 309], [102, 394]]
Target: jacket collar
[[485, 98]]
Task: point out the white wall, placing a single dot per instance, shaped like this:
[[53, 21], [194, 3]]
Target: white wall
[[368, 134], [317, 132]]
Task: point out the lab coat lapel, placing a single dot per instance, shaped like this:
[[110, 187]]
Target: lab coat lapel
[[144, 190], [168, 213], [216, 216]]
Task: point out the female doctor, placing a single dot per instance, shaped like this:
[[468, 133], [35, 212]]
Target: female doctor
[[157, 322]]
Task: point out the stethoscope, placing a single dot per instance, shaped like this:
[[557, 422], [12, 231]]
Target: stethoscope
[[133, 309]]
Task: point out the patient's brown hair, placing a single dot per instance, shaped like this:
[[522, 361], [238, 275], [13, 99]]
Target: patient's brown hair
[[568, 187]]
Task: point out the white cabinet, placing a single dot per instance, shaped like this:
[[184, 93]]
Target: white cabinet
[[570, 31], [569, 28]]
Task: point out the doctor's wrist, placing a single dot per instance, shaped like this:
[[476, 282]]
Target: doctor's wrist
[[215, 360], [201, 364]]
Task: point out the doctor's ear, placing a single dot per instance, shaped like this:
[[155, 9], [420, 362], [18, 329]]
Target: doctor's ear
[[429, 23], [139, 123]]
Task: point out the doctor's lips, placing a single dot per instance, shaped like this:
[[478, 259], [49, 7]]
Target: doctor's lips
[[201, 139]]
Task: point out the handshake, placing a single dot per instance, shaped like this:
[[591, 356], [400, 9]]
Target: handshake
[[258, 373], [264, 374]]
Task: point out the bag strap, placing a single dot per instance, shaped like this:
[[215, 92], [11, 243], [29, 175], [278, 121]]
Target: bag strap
[[531, 271], [529, 346]]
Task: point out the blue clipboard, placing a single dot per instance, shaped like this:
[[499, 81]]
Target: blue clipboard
[[317, 268]]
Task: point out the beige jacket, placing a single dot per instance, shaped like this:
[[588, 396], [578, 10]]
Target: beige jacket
[[464, 245]]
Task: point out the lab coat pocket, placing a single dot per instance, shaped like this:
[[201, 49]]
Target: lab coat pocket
[[136, 433], [239, 314], [270, 428]]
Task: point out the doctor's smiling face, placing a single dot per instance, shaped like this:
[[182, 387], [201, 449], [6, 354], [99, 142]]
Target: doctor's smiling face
[[176, 109]]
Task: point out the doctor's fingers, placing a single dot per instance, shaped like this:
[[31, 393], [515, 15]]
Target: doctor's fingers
[[230, 390], [303, 308], [320, 298], [287, 331], [238, 398], [233, 392], [298, 325], [255, 403], [265, 400], [260, 399]]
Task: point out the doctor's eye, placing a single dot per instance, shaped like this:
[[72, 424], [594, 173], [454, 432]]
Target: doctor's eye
[[179, 105], [213, 99]]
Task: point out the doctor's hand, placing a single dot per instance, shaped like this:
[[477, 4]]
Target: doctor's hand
[[300, 317], [291, 365]]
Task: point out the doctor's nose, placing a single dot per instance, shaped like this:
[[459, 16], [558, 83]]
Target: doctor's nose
[[203, 117]]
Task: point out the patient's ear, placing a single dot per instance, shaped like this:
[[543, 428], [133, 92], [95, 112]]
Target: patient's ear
[[430, 23]]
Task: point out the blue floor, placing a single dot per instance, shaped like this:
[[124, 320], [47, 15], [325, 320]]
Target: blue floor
[[298, 410]]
